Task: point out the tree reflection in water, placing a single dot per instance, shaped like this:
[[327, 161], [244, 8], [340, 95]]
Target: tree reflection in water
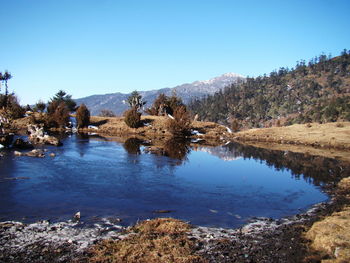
[[314, 169], [318, 170], [176, 148], [132, 146]]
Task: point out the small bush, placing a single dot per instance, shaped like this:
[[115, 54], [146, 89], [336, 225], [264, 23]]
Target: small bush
[[235, 126], [82, 116], [164, 105], [132, 118], [58, 115], [11, 105], [107, 113], [152, 111], [40, 106], [181, 123]]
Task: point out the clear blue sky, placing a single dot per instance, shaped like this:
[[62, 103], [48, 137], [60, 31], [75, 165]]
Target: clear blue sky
[[90, 47]]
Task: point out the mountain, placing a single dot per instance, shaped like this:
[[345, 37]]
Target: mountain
[[188, 91], [226, 152], [317, 91]]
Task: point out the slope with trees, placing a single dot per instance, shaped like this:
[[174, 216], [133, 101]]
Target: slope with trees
[[317, 91]]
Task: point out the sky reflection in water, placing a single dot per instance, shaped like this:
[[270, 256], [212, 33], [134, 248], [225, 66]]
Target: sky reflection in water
[[108, 179]]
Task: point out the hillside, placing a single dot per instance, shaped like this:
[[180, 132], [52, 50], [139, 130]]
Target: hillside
[[187, 92], [317, 91]]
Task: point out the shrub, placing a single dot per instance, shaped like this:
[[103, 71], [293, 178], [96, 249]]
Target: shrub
[[132, 118], [40, 106], [152, 111], [82, 116], [158, 105], [235, 126], [107, 113], [62, 96], [13, 109], [164, 104], [58, 115], [181, 123]]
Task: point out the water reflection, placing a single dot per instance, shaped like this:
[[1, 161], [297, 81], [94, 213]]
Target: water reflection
[[313, 169], [132, 145], [133, 177], [177, 148], [318, 170]]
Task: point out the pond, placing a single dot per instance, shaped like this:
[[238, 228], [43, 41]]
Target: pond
[[221, 186]]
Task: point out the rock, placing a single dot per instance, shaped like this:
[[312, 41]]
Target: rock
[[52, 155], [21, 144], [16, 153], [33, 153], [37, 136], [76, 217], [6, 139]]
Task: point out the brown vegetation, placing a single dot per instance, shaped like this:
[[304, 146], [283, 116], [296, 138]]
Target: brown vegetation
[[132, 118], [165, 105], [154, 126], [158, 240], [327, 135], [82, 116], [330, 237], [107, 113], [181, 122], [57, 115], [11, 107]]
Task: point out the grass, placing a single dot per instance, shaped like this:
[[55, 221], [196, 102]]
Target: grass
[[157, 240], [327, 135], [330, 237], [153, 126]]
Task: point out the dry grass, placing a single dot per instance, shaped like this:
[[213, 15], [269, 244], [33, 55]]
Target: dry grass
[[327, 135], [155, 125], [158, 240], [330, 237]]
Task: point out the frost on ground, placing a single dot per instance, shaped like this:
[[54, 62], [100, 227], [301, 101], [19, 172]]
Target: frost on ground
[[260, 240], [20, 242]]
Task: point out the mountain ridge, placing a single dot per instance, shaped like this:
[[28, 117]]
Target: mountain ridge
[[186, 91]]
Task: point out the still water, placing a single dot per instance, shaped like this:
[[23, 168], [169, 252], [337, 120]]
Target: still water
[[219, 186]]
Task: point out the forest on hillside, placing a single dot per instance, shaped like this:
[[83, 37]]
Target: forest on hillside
[[317, 91]]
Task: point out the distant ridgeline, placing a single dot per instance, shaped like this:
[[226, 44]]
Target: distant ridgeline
[[315, 92]]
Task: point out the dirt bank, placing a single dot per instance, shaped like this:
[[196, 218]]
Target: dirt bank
[[330, 237]]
